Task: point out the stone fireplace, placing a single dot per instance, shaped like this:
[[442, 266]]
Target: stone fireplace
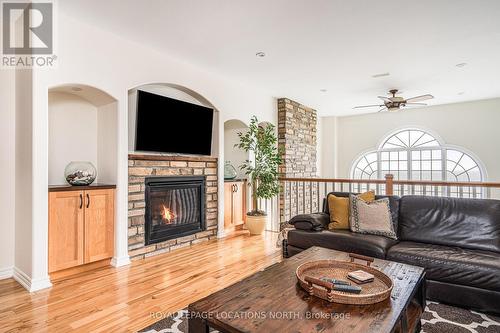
[[162, 177], [175, 207]]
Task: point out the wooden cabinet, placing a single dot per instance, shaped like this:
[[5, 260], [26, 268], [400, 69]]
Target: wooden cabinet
[[99, 226], [234, 204], [66, 220], [81, 227]]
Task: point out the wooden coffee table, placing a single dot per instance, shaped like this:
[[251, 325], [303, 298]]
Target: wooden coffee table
[[272, 301]]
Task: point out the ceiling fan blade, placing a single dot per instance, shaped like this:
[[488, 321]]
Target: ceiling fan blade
[[367, 106], [385, 99], [415, 103], [420, 98], [383, 109]]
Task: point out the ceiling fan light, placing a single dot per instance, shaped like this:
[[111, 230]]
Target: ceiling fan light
[[393, 109]]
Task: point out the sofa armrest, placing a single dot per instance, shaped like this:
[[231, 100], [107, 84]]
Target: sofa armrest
[[310, 222]]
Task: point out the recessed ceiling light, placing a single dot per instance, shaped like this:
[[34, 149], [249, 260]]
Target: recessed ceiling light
[[260, 54], [76, 89], [323, 90], [462, 64], [461, 93], [380, 75]]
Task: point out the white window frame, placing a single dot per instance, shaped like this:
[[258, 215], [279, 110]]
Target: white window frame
[[444, 148]]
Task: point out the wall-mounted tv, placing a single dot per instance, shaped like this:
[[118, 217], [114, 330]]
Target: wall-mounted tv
[[168, 125]]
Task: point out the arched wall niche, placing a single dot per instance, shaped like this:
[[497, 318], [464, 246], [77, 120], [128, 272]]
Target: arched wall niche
[[82, 127], [174, 91], [234, 155]]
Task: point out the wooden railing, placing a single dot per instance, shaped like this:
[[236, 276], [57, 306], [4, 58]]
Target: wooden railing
[[305, 195]]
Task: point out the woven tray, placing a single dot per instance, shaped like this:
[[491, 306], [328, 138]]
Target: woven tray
[[310, 274]]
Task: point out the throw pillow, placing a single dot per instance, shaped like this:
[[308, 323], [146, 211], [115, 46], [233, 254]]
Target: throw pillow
[[339, 210], [314, 221], [371, 217]]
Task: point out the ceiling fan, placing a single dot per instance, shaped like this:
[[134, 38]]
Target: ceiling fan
[[395, 103]]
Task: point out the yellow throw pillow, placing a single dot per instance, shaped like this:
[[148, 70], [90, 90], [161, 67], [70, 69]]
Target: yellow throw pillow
[[339, 210]]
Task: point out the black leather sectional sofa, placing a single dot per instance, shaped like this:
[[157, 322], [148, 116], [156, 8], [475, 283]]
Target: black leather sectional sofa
[[456, 240]]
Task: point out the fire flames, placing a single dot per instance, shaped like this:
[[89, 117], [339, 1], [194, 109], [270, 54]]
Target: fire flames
[[167, 214]]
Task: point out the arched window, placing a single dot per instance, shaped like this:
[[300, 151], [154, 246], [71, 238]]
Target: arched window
[[414, 154]]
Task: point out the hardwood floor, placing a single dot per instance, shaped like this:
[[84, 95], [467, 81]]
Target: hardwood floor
[[122, 299]]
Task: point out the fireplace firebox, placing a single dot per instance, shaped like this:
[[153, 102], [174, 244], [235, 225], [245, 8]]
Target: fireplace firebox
[[175, 207]]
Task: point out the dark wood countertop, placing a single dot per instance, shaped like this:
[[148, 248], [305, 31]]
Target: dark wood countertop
[[235, 180], [67, 187]]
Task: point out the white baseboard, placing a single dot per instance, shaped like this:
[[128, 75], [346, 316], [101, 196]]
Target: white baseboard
[[30, 284], [120, 261], [6, 272]]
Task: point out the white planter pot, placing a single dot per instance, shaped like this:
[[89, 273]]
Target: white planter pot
[[256, 224]]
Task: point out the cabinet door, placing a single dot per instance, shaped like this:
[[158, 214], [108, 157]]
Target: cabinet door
[[99, 224], [66, 219], [239, 203], [228, 205]]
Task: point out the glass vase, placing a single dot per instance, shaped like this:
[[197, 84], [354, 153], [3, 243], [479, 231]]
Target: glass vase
[[80, 173], [229, 171]]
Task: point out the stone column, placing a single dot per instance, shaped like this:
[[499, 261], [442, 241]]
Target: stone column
[[297, 137]]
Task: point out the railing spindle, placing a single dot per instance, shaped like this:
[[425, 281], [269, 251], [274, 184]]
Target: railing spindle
[[317, 196], [310, 198], [303, 197]]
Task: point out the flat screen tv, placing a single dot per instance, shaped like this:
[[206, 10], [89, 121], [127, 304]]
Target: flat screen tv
[[168, 125]]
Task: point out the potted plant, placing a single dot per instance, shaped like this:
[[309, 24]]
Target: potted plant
[[261, 142]]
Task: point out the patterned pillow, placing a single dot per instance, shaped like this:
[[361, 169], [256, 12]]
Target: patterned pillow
[[371, 217], [339, 210]]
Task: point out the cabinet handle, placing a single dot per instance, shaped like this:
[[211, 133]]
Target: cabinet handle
[[235, 187], [81, 201], [88, 200]]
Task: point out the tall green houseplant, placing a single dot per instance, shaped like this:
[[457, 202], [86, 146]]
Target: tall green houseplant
[[263, 170]]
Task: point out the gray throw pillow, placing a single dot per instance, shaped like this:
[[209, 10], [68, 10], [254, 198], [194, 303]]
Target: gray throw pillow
[[371, 217]]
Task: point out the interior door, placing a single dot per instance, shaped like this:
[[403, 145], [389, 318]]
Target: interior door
[[99, 224], [66, 223], [238, 203], [228, 204]]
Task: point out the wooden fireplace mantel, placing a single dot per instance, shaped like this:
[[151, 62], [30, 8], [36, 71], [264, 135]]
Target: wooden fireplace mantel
[[152, 157]]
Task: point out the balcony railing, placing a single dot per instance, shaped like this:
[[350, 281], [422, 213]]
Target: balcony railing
[[305, 195]]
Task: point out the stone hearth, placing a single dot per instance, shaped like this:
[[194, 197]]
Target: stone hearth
[[142, 166]]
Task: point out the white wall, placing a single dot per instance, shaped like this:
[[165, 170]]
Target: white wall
[[72, 134], [106, 143], [471, 125], [327, 147], [235, 155], [7, 170], [114, 65], [24, 210], [319, 144]]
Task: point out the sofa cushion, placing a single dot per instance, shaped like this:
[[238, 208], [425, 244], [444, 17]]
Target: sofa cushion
[[480, 269], [393, 204], [342, 240], [466, 223]]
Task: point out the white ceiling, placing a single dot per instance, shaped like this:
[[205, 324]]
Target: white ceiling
[[322, 44]]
